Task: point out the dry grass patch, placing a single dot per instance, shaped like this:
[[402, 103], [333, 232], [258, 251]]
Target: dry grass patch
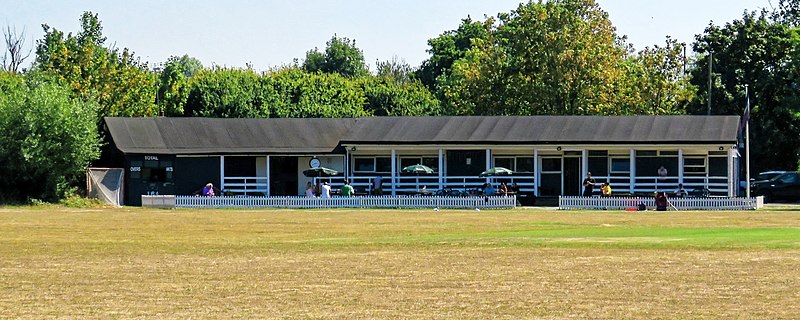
[[133, 263]]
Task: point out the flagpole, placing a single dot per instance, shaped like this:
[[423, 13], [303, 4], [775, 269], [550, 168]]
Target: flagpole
[[747, 140]]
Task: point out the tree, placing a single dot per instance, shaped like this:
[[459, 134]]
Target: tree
[[655, 82], [173, 89], [448, 48], [226, 93], [299, 94], [117, 80], [386, 96], [341, 56], [15, 53], [48, 137], [396, 69], [765, 55], [788, 12], [554, 57]]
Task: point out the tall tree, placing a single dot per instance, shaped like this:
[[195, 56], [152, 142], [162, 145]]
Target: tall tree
[[341, 56], [396, 69], [654, 82], [15, 53], [122, 85], [173, 89], [765, 55], [226, 93], [554, 57], [48, 137], [449, 47]]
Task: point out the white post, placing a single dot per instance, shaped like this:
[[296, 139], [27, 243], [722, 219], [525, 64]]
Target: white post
[[345, 163], [680, 166], [747, 141], [632, 170], [488, 160], [536, 173], [584, 163], [731, 182], [222, 173], [394, 170], [269, 190], [441, 170]]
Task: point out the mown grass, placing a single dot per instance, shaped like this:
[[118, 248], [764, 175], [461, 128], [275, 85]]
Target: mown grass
[[133, 262]]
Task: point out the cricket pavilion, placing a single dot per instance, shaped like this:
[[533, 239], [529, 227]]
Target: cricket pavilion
[[549, 155]]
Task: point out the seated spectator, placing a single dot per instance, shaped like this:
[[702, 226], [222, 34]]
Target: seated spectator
[[208, 190], [514, 187], [488, 190], [310, 190], [503, 189], [680, 193], [606, 189]]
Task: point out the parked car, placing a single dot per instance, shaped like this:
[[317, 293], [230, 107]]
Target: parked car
[[775, 185]]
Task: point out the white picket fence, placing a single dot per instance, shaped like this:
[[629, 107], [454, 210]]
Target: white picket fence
[[496, 202], [622, 203]]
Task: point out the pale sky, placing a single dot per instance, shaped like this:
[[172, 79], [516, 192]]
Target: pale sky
[[270, 33]]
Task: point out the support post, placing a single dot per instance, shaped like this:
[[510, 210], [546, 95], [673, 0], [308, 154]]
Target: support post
[[269, 190], [441, 169], [680, 166], [394, 171], [632, 170], [222, 174], [536, 173]]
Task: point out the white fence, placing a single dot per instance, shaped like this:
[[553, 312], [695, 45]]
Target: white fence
[[496, 202], [622, 203]]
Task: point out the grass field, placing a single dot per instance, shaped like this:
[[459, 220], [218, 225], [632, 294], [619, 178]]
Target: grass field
[[364, 264]]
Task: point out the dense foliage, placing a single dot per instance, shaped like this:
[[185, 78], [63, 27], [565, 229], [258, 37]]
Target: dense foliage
[[116, 79], [765, 55], [48, 137]]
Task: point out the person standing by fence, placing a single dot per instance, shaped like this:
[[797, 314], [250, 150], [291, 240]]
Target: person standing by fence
[[588, 185]]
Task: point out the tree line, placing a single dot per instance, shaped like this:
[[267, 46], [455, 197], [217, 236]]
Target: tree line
[[556, 57]]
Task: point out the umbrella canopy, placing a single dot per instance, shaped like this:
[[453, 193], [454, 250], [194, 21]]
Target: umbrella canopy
[[496, 171], [320, 172], [418, 169]]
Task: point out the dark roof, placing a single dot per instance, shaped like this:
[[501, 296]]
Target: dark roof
[[214, 135], [544, 130], [228, 136]]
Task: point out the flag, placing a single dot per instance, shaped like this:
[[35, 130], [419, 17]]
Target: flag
[[745, 118]]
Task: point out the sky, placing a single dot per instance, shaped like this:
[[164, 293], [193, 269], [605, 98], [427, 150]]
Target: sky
[[270, 33]]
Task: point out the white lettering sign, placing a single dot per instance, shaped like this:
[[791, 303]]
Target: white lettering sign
[[151, 158], [136, 169]]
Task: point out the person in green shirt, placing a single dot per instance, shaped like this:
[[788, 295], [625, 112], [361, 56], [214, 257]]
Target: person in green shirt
[[347, 189]]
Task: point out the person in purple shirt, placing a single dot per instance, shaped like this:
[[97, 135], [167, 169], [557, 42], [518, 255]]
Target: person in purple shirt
[[208, 190]]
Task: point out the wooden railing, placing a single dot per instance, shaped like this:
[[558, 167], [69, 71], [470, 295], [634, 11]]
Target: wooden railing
[[623, 203], [494, 202]]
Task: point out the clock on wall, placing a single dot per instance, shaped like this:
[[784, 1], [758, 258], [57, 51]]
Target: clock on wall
[[314, 163]]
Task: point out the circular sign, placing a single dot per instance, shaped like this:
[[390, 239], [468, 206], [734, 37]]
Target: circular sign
[[314, 163]]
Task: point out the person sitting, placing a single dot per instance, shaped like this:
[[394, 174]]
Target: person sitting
[[309, 190], [208, 190], [488, 190], [514, 187], [503, 189], [680, 193], [606, 189]]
